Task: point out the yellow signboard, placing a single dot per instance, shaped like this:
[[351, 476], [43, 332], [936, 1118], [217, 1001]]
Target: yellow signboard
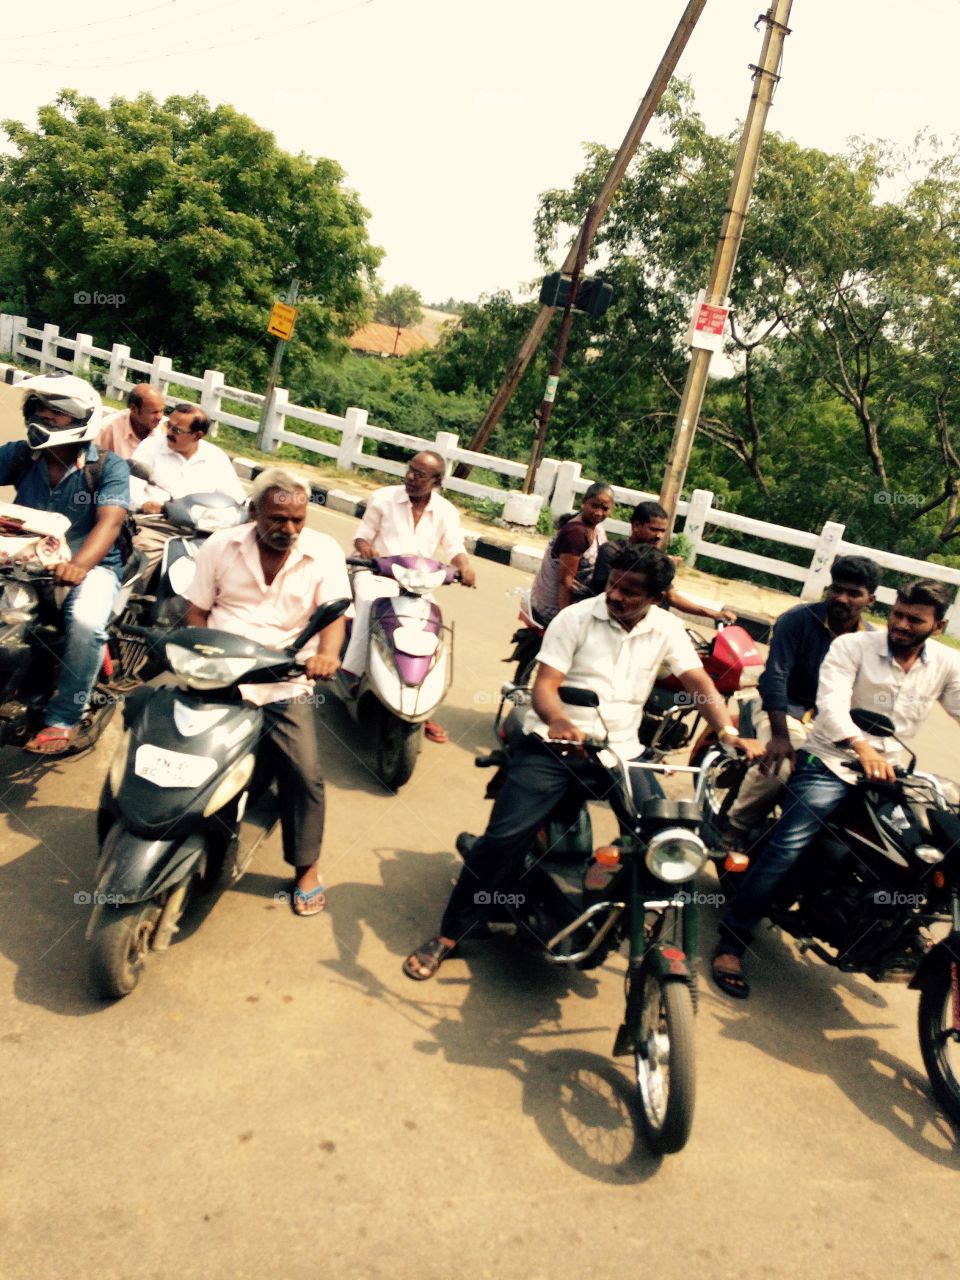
[[282, 320]]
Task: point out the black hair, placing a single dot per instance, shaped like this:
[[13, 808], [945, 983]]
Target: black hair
[[653, 564], [926, 591], [198, 419], [644, 512], [857, 570]]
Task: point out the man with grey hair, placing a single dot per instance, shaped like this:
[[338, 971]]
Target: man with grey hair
[[263, 580]]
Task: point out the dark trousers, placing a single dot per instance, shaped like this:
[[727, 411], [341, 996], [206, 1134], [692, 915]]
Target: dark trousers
[[538, 779], [290, 752]]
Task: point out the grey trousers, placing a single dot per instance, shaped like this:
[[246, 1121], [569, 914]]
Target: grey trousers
[[290, 752]]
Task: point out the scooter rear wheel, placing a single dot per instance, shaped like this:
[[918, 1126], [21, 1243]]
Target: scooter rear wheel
[[119, 947], [666, 1077]]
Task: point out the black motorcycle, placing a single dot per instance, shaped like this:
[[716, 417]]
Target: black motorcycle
[[878, 892], [184, 805], [577, 906], [32, 641]]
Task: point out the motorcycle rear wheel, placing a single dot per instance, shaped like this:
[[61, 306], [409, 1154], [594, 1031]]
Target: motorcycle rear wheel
[[666, 1076], [941, 1054], [398, 745], [119, 947]]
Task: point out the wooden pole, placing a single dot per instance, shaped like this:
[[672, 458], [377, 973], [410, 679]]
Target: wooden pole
[[618, 168], [765, 77], [274, 373]]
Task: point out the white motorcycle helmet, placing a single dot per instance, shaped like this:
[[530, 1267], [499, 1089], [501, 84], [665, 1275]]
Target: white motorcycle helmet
[[68, 394]]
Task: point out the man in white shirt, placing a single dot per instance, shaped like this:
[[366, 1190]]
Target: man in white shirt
[[179, 461], [264, 580], [613, 644], [406, 519], [895, 672], [123, 432]]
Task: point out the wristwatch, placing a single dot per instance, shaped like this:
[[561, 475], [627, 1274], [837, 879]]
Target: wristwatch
[[728, 731]]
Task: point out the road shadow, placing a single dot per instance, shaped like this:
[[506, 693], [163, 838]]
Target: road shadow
[[796, 1015], [581, 1103]]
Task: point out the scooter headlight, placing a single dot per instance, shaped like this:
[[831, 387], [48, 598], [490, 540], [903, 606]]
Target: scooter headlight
[[675, 855], [204, 671], [418, 581]]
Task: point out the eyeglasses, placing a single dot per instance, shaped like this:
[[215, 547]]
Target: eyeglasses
[[417, 474], [180, 431]]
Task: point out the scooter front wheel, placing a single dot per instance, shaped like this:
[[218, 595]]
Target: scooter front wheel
[[119, 946], [398, 745], [666, 1077]]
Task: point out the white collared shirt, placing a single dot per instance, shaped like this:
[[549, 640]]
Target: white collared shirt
[[117, 435], [859, 671], [230, 585], [595, 652], [208, 470], [387, 525]]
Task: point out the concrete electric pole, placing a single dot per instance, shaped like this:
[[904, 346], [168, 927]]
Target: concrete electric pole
[[713, 309]]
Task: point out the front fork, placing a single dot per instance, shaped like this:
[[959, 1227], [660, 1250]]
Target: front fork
[[664, 955]]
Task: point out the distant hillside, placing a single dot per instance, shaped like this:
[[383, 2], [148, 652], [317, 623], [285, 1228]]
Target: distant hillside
[[379, 339]]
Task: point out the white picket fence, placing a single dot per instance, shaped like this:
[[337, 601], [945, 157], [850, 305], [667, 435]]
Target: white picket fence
[[557, 484]]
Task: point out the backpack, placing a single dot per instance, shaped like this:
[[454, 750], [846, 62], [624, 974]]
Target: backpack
[[92, 475]]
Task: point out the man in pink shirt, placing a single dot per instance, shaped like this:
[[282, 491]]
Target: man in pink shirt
[[122, 432], [409, 519], [264, 580]]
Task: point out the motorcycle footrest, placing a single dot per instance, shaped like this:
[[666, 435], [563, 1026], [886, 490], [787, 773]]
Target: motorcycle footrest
[[624, 1044]]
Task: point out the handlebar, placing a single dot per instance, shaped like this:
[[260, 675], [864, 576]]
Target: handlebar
[[857, 767]]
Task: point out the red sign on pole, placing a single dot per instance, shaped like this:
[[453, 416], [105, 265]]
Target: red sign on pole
[[707, 324]]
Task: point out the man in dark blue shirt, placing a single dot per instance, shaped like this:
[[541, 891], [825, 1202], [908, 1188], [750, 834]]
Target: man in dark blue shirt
[[62, 416], [788, 686]]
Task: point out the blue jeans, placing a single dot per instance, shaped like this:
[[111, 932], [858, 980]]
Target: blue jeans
[[86, 613], [812, 795]]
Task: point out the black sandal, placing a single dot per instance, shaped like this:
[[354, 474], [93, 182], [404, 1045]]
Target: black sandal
[[734, 985], [429, 956]]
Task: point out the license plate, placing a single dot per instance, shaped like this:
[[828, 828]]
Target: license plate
[[172, 768]]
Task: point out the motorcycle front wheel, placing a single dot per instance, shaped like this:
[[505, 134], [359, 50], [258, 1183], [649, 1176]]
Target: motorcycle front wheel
[[664, 1056], [398, 745], [119, 947], [939, 1048]]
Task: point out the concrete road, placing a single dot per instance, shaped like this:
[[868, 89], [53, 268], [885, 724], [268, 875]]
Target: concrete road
[[278, 1100]]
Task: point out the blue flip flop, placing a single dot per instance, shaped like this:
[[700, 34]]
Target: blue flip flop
[[298, 895]]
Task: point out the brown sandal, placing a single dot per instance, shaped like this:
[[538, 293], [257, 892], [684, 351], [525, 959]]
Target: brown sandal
[[429, 956]]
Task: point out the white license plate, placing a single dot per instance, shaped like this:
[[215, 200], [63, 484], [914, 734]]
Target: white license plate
[[172, 768]]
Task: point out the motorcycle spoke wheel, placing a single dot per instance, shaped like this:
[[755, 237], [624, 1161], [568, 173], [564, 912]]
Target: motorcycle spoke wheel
[[939, 1047], [119, 947], [666, 1079]]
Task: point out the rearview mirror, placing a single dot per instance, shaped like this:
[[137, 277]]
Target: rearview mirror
[[575, 697], [321, 617], [873, 722]]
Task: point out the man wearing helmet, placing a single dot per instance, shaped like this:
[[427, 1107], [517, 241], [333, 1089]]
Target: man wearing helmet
[[62, 417]]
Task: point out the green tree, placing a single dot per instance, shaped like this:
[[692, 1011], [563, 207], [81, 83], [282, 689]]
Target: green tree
[[401, 307], [193, 215]]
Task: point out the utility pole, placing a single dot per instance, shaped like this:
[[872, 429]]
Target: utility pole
[[289, 300], [765, 78], [599, 207]]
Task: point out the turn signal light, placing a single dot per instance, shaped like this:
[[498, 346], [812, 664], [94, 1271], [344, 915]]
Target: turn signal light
[[939, 880], [608, 855], [737, 862]]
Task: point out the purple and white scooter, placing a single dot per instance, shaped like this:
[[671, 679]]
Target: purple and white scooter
[[409, 662]]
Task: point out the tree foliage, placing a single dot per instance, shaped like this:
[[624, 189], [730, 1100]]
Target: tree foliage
[[193, 216]]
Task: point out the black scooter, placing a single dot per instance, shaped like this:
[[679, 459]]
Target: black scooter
[[184, 805]]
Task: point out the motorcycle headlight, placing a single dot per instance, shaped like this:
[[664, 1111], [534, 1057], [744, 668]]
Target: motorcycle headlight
[[203, 671], [210, 519], [675, 855]]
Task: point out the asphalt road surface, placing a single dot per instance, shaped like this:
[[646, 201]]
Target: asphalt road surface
[[278, 1100]]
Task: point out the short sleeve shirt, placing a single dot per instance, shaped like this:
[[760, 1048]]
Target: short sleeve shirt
[[70, 497], [117, 434], [230, 586], [388, 526], [595, 652], [209, 470]]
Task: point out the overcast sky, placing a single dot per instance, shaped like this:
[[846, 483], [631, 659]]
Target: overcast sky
[[450, 119]]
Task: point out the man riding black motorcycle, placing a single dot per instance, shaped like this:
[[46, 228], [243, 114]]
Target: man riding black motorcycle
[[612, 645], [59, 469], [894, 672], [788, 687]]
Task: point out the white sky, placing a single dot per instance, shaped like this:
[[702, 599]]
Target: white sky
[[450, 120]]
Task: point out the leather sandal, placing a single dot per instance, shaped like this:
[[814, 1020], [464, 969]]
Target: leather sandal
[[430, 956]]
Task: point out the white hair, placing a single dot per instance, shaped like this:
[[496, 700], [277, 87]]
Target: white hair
[[278, 478]]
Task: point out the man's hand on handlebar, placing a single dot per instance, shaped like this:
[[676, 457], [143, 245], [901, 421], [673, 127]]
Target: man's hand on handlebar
[[562, 728], [875, 766], [69, 572], [322, 666], [751, 747], [364, 550], [152, 508]]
